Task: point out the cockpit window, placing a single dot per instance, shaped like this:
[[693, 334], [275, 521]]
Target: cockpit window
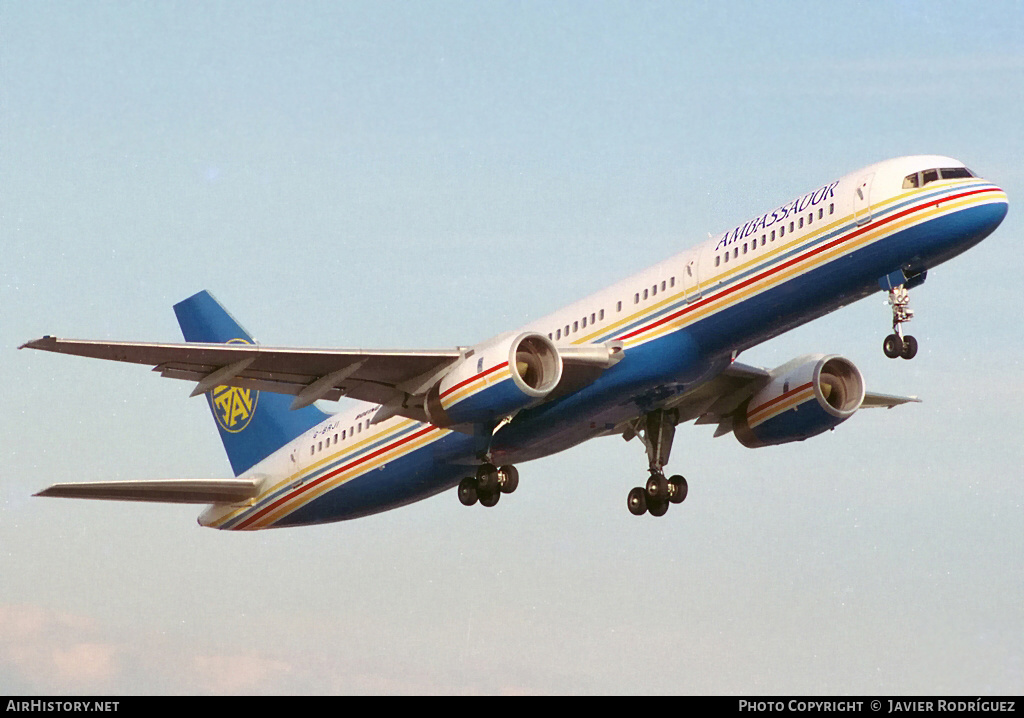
[[920, 179], [955, 173]]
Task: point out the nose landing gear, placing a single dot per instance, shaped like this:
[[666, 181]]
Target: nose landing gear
[[897, 345]]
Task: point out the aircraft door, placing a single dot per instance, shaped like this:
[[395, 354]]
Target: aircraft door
[[691, 278], [862, 200]]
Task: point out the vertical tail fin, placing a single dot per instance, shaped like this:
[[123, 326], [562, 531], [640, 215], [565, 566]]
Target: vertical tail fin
[[252, 424]]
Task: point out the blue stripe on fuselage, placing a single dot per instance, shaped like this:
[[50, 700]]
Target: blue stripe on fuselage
[[657, 369]]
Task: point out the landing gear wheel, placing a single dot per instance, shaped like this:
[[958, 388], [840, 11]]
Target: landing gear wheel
[[637, 501], [490, 499], [657, 490], [677, 489], [909, 349], [656, 429], [896, 344], [467, 491], [658, 508], [892, 346], [508, 479], [486, 480]]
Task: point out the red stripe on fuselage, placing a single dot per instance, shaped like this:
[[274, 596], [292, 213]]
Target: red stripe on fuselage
[[796, 260], [305, 487]]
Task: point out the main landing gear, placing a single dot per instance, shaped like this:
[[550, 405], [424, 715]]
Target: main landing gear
[[488, 485], [897, 345], [657, 429]]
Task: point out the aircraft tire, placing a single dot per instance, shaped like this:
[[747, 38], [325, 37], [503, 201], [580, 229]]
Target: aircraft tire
[[490, 498], [467, 491], [486, 479], [657, 489], [658, 508], [511, 482], [637, 501], [892, 346], [677, 489], [909, 350]]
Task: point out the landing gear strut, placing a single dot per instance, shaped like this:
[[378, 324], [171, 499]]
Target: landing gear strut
[[897, 345], [656, 430], [488, 485]]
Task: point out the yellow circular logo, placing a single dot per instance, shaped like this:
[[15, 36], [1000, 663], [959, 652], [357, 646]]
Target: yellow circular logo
[[233, 406]]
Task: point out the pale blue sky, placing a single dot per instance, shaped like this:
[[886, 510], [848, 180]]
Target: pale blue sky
[[429, 174]]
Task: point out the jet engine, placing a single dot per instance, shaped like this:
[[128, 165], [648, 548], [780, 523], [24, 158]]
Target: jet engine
[[803, 398], [495, 379]]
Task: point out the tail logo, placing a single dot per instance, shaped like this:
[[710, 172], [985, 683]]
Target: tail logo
[[233, 406]]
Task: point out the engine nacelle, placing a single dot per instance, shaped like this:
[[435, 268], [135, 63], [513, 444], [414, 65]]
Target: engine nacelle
[[496, 379], [804, 398]]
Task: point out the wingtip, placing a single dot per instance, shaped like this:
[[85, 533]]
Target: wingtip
[[44, 342]]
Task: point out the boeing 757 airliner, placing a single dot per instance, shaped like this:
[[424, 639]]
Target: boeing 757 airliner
[[636, 359]]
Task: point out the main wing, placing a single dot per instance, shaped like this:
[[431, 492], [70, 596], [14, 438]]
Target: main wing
[[716, 401], [395, 379], [382, 377]]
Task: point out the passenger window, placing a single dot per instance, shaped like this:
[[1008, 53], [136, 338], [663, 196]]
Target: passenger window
[[645, 294], [831, 208], [618, 306], [359, 428], [636, 298], [782, 231], [735, 252], [744, 247], [558, 334], [773, 235], [592, 316], [312, 450], [726, 256], [319, 446], [342, 434], [601, 314], [718, 260], [654, 290], [810, 218], [672, 280], [792, 225], [575, 327], [335, 438], [821, 213], [584, 323], [663, 286], [801, 222]]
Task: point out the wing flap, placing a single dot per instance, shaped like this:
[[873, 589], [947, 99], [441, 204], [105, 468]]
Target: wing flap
[[172, 491]]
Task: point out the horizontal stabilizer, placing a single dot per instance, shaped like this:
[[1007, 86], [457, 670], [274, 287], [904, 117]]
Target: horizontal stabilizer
[[170, 491]]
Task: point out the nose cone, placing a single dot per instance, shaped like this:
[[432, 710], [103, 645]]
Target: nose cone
[[993, 212], [982, 211]]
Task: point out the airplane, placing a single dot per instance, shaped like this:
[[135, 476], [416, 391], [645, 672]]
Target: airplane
[[636, 359]]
